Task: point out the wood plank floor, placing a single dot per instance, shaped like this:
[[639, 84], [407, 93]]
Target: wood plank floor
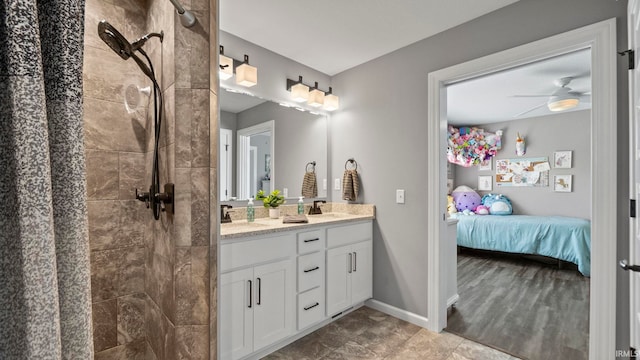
[[526, 308]]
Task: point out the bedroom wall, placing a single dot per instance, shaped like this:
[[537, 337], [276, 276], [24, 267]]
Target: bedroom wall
[[382, 123], [543, 136]]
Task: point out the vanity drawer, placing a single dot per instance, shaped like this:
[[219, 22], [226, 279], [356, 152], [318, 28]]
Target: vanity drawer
[[310, 308], [310, 241], [310, 270], [349, 234]]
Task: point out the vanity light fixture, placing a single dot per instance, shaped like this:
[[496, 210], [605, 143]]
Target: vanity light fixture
[[246, 75], [299, 91], [316, 96], [331, 102], [226, 65]]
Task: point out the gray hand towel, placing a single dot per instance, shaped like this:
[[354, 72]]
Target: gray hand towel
[[295, 219], [310, 185], [350, 185]]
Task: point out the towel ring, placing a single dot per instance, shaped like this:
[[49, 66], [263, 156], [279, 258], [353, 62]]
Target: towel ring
[[313, 164], [353, 162]]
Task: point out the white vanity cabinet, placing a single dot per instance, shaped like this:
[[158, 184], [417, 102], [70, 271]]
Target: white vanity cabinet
[[256, 294], [278, 286], [349, 266]]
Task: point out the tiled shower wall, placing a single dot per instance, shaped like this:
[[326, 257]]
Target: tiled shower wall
[[151, 280], [115, 147]]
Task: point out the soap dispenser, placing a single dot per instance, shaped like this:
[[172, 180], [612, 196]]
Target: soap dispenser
[[300, 205], [251, 212]]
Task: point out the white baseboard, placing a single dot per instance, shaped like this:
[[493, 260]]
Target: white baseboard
[[398, 313]]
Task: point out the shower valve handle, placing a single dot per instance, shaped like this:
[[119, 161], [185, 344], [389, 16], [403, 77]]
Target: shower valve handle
[[143, 196]]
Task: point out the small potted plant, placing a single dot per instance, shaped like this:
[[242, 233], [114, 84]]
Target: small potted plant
[[272, 202]]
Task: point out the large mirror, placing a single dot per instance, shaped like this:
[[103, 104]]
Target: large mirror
[[267, 146]]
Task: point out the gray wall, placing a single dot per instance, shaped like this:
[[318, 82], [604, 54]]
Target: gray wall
[[300, 137], [229, 121], [382, 123], [263, 147], [543, 136]]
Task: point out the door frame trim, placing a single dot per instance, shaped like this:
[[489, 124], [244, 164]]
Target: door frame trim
[[601, 38]]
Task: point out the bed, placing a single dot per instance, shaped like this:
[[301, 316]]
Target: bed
[[559, 237]]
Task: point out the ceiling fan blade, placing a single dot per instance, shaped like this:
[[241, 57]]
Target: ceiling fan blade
[[530, 110]]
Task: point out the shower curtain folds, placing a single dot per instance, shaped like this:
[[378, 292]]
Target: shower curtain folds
[[45, 297]]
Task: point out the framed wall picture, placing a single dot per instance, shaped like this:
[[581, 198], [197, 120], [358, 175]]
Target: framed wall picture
[[562, 159], [485, 165], [485, 183], [562, 183]]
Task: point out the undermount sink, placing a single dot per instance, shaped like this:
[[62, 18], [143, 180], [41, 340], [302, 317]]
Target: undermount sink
[[244, 224], [328, 215]]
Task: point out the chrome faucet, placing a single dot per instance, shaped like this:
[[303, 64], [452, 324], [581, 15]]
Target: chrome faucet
[[315, 209], [224, 214]]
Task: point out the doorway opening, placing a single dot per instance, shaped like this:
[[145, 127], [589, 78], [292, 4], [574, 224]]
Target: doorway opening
[[600, 38]]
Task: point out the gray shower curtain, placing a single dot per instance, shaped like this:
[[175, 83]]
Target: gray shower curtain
[[45, 297]]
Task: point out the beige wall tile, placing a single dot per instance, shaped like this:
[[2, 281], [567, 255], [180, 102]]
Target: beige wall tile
[[104, 315], [160, 332], [131, 351], [184, 115], [96, 10], [102, 175], [200, 128], [109, 127], [131, 318], [131, 175], [115, 224], [182, 218], [131, 270], [104, 275], [192, 285], [200, 207], [192, 342]]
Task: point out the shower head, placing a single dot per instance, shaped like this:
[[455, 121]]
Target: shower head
[[118, 43], [114, 39]]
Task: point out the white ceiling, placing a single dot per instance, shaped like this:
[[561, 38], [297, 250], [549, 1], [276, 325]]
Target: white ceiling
[[335, 35], [491, 98]]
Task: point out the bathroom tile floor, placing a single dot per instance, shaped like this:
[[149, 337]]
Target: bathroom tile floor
[[369, 334]]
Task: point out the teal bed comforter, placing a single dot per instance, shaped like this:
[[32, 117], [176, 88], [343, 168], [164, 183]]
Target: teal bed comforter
[[558, 237]]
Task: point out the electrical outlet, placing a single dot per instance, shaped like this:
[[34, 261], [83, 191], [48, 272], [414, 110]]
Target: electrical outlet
[[400, 196], [285, 192], [336, 184], [324, 184]]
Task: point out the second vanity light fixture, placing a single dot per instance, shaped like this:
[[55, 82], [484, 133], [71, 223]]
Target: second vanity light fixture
[[246, 75], [312, 95]]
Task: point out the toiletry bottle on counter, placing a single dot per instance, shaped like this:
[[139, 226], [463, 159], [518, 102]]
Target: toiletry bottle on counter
[[251, 212], [300, 206]]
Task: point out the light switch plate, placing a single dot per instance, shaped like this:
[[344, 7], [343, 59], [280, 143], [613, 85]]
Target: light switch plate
[[400, 196], [336, 184], [285, 192], [324, 184]]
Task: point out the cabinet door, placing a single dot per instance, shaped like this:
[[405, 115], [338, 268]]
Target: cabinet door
[[236, 314], [362, 271], [338, 280], [274, 298]]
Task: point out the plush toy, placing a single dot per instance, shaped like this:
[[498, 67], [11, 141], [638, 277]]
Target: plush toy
[[465, 198], [451, 207], [482, 210], [498, 204]]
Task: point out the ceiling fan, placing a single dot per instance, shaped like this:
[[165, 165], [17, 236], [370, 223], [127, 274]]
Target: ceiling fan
[[563, 98]]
